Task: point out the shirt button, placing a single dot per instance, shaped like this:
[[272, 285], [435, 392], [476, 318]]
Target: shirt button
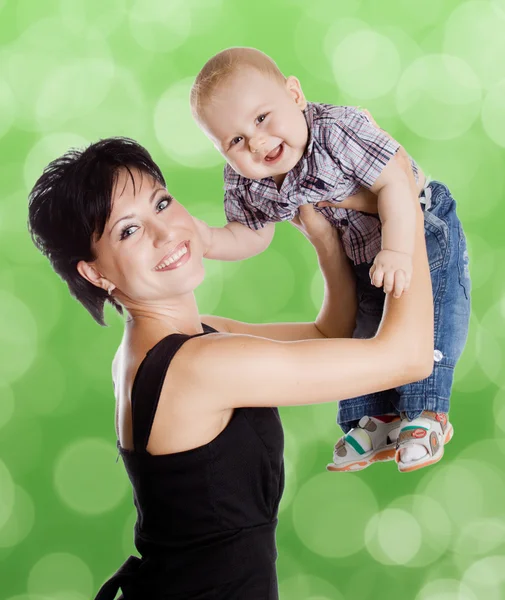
[[344, 222]]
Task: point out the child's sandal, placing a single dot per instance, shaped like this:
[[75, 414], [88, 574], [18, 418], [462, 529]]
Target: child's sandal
[[349, 455], [430, 430]]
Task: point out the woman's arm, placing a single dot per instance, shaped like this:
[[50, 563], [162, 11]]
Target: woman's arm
[[337, 315], [241, 370]]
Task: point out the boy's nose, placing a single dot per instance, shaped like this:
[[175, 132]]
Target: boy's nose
[[256, 144]]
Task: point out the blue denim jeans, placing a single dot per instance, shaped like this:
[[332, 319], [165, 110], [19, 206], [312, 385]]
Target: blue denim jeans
[[448, 259]]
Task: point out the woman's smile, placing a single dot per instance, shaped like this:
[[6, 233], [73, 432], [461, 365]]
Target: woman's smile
[[175, 259]]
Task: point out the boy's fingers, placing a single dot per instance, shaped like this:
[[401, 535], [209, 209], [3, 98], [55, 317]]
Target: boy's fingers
[[378, 277], [399, 284], [389, 282]]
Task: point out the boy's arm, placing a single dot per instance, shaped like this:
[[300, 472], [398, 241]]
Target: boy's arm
[[396, 191], [373, 158], [234, 241], [337, 316]]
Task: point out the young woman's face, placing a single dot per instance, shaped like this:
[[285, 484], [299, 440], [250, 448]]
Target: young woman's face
[[150, 248]]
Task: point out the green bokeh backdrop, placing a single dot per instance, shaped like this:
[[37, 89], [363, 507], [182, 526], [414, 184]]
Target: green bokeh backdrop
[[71, 71]]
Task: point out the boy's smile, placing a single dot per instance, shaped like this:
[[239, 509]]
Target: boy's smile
[[256, 121]]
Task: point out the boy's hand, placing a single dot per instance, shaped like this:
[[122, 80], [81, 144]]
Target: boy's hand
[[205, 233], [393, 270]]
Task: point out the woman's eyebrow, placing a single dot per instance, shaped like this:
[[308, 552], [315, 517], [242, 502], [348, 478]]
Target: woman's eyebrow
[[153, 196]]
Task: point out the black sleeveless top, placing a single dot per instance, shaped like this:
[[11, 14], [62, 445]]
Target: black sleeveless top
[[206, 517]]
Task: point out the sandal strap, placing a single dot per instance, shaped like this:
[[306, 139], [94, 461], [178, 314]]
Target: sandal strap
[[427, 430]]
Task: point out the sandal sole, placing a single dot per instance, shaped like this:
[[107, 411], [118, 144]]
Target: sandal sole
[[359, 465], [417, 466]]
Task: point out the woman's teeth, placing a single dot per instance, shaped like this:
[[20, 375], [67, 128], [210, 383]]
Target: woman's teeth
[[172, 259]]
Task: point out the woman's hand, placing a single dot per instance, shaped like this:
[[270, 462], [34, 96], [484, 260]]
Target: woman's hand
[[364, 201], [315, 227]]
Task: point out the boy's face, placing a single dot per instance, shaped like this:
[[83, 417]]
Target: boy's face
[[257, 123]]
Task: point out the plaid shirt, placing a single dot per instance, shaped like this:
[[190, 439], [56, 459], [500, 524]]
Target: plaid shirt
[[344, 151]]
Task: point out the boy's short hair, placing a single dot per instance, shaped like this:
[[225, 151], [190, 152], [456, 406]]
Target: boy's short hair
[[222, 66], [71, 203]]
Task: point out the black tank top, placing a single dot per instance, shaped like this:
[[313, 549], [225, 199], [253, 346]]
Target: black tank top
[[206, 517]]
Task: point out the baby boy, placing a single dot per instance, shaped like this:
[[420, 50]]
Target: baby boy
[[283, 151]]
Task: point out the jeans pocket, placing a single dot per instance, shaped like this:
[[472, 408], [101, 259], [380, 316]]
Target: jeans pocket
[[436, 233]]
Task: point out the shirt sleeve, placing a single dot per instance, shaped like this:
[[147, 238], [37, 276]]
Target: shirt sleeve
[[361, 148], [236, 209]]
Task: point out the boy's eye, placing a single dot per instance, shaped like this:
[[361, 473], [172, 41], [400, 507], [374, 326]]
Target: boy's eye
[[261, 118], [235, 141]]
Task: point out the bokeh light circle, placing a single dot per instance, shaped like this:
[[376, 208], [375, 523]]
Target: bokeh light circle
[[21, 520], [57, 69], [434, 526], [317, 289], [72, 91], [321, 530], [106, 17], [366, 64], [477, 539], [493, 114], [261, 287], [47, 149], [393, 537], [87, 477], [308, 587], [445, 589], [499, 410], [60, 573], [468, 478], [486, 578], [160, 26], [6, 405], [122, 112], [177, 132], [474, 32], [18, 338], [7, 495], [438, 97], [7, 107], [490, 344]]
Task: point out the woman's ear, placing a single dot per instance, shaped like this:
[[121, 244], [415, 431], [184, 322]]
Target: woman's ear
[[295, 89], [89, 272]]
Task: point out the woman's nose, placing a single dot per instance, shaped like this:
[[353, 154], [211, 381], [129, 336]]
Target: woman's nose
[[161, 234]]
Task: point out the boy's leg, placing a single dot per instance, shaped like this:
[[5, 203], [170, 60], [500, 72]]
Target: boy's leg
[[371, 421], [448, 258]]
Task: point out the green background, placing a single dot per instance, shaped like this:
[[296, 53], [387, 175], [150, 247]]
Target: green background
[[72, 71]]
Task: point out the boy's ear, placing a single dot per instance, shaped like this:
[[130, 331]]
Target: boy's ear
[[295, 89]]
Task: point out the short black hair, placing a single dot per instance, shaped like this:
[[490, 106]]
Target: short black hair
[[71, 203]]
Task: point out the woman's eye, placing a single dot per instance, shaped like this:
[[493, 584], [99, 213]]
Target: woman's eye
[[235, 141], [261, 118], [127, 232], [163, 203]]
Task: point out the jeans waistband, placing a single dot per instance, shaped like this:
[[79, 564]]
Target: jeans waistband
[[425, 195]]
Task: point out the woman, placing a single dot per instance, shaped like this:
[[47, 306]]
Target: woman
[[195, 417]]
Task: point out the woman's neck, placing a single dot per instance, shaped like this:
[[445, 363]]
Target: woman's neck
[[178, 316]]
